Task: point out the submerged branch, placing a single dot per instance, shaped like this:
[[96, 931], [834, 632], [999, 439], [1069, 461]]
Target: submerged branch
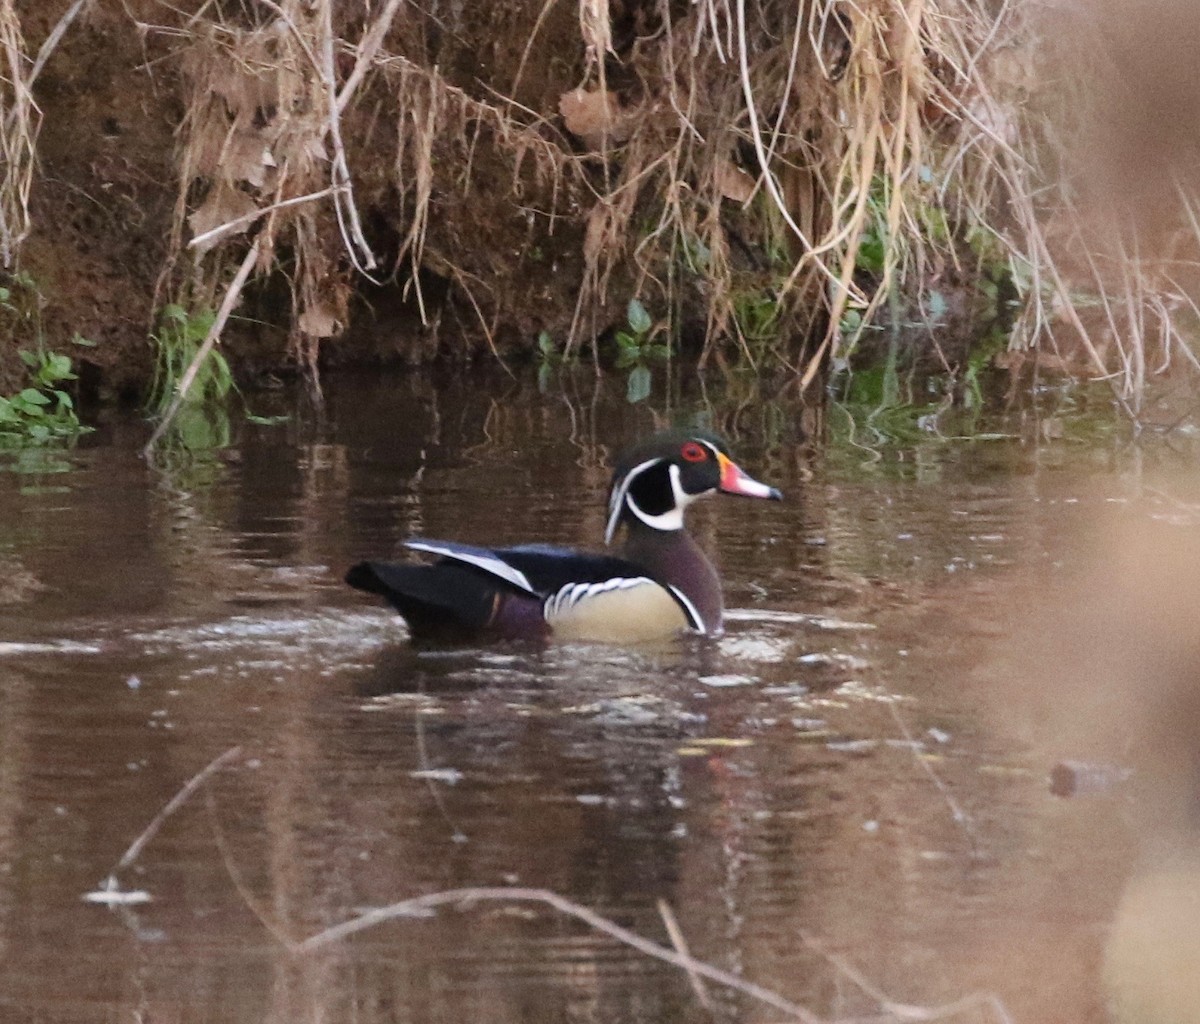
[[589, 917], [172, 805]]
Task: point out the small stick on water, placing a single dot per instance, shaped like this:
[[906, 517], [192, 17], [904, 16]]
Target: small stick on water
[[177, 801], [565, 906], [214, 332], [893, 1010], [956, 812], [681, 947], [235, 874]]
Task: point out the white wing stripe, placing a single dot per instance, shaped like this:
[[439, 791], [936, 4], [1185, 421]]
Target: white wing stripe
[[478, 558], [573, 593]]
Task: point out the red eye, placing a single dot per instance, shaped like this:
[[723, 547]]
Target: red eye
[[693, 452]]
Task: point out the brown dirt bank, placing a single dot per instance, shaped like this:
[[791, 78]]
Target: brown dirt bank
[[131, 116], [766, 177]]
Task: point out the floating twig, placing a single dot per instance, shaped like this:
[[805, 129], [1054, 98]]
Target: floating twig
[[177, 801], [681, 947], [565, 906]]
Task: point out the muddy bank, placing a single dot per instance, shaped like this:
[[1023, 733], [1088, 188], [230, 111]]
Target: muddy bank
[[466, 180], [119, 116], [463, 182]]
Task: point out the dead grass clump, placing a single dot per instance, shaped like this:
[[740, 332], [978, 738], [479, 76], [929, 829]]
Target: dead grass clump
[[770, 143], [257, 156], [18, 131], [769, 178]]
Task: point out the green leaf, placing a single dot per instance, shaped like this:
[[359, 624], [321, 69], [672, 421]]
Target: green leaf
[[871, 255], [33, 397], [64, 400], [544, 376], [639, 319], [637, 387], [83, 342], [61, 365], [39, 432], [266, 421], [222, 379], [628, 357], [198, 325], [28, 358], [545, 344]]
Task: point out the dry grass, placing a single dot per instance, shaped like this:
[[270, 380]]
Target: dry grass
[[714, 159], [19, 119]]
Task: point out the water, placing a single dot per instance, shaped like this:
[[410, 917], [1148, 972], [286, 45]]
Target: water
[[846, 779]]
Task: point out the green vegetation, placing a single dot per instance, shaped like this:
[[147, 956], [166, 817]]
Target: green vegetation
[[177, 341], [42, 412], [550, 358], [202, 422], [636, 349]]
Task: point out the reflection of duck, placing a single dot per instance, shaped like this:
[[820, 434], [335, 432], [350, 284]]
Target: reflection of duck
[[663, 584]]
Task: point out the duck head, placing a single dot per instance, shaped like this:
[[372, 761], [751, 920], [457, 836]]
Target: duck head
[[657, 479]]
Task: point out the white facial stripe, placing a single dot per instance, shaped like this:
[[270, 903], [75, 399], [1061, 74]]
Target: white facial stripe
[[672, 519], [617, 501]]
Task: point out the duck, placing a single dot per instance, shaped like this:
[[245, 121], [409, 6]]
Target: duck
[[661, 583]]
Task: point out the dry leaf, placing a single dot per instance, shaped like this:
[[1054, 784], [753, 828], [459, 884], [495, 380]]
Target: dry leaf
[[595, 117], [319, 322], [247, 159], [734, 183], [224, 204]]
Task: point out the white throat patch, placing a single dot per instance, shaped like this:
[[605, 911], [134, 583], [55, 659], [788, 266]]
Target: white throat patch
[[672, 519]]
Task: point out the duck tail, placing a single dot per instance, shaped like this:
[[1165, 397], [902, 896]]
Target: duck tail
[[432, 598]]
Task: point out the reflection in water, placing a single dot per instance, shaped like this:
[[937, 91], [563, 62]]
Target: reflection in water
[[758, 783]]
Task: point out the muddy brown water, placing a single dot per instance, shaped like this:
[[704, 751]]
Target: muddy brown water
[[837, 784]]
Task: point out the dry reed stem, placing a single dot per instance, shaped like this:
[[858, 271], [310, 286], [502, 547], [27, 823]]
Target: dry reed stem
[[20, 121], [347, 210], [902, 1012], [680, 943], [18, 134], [481, 894], [216, 234], [130, 856], [257, 908], [50, 44]]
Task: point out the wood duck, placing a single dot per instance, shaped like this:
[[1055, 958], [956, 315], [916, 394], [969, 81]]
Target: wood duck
[[662, 584]]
